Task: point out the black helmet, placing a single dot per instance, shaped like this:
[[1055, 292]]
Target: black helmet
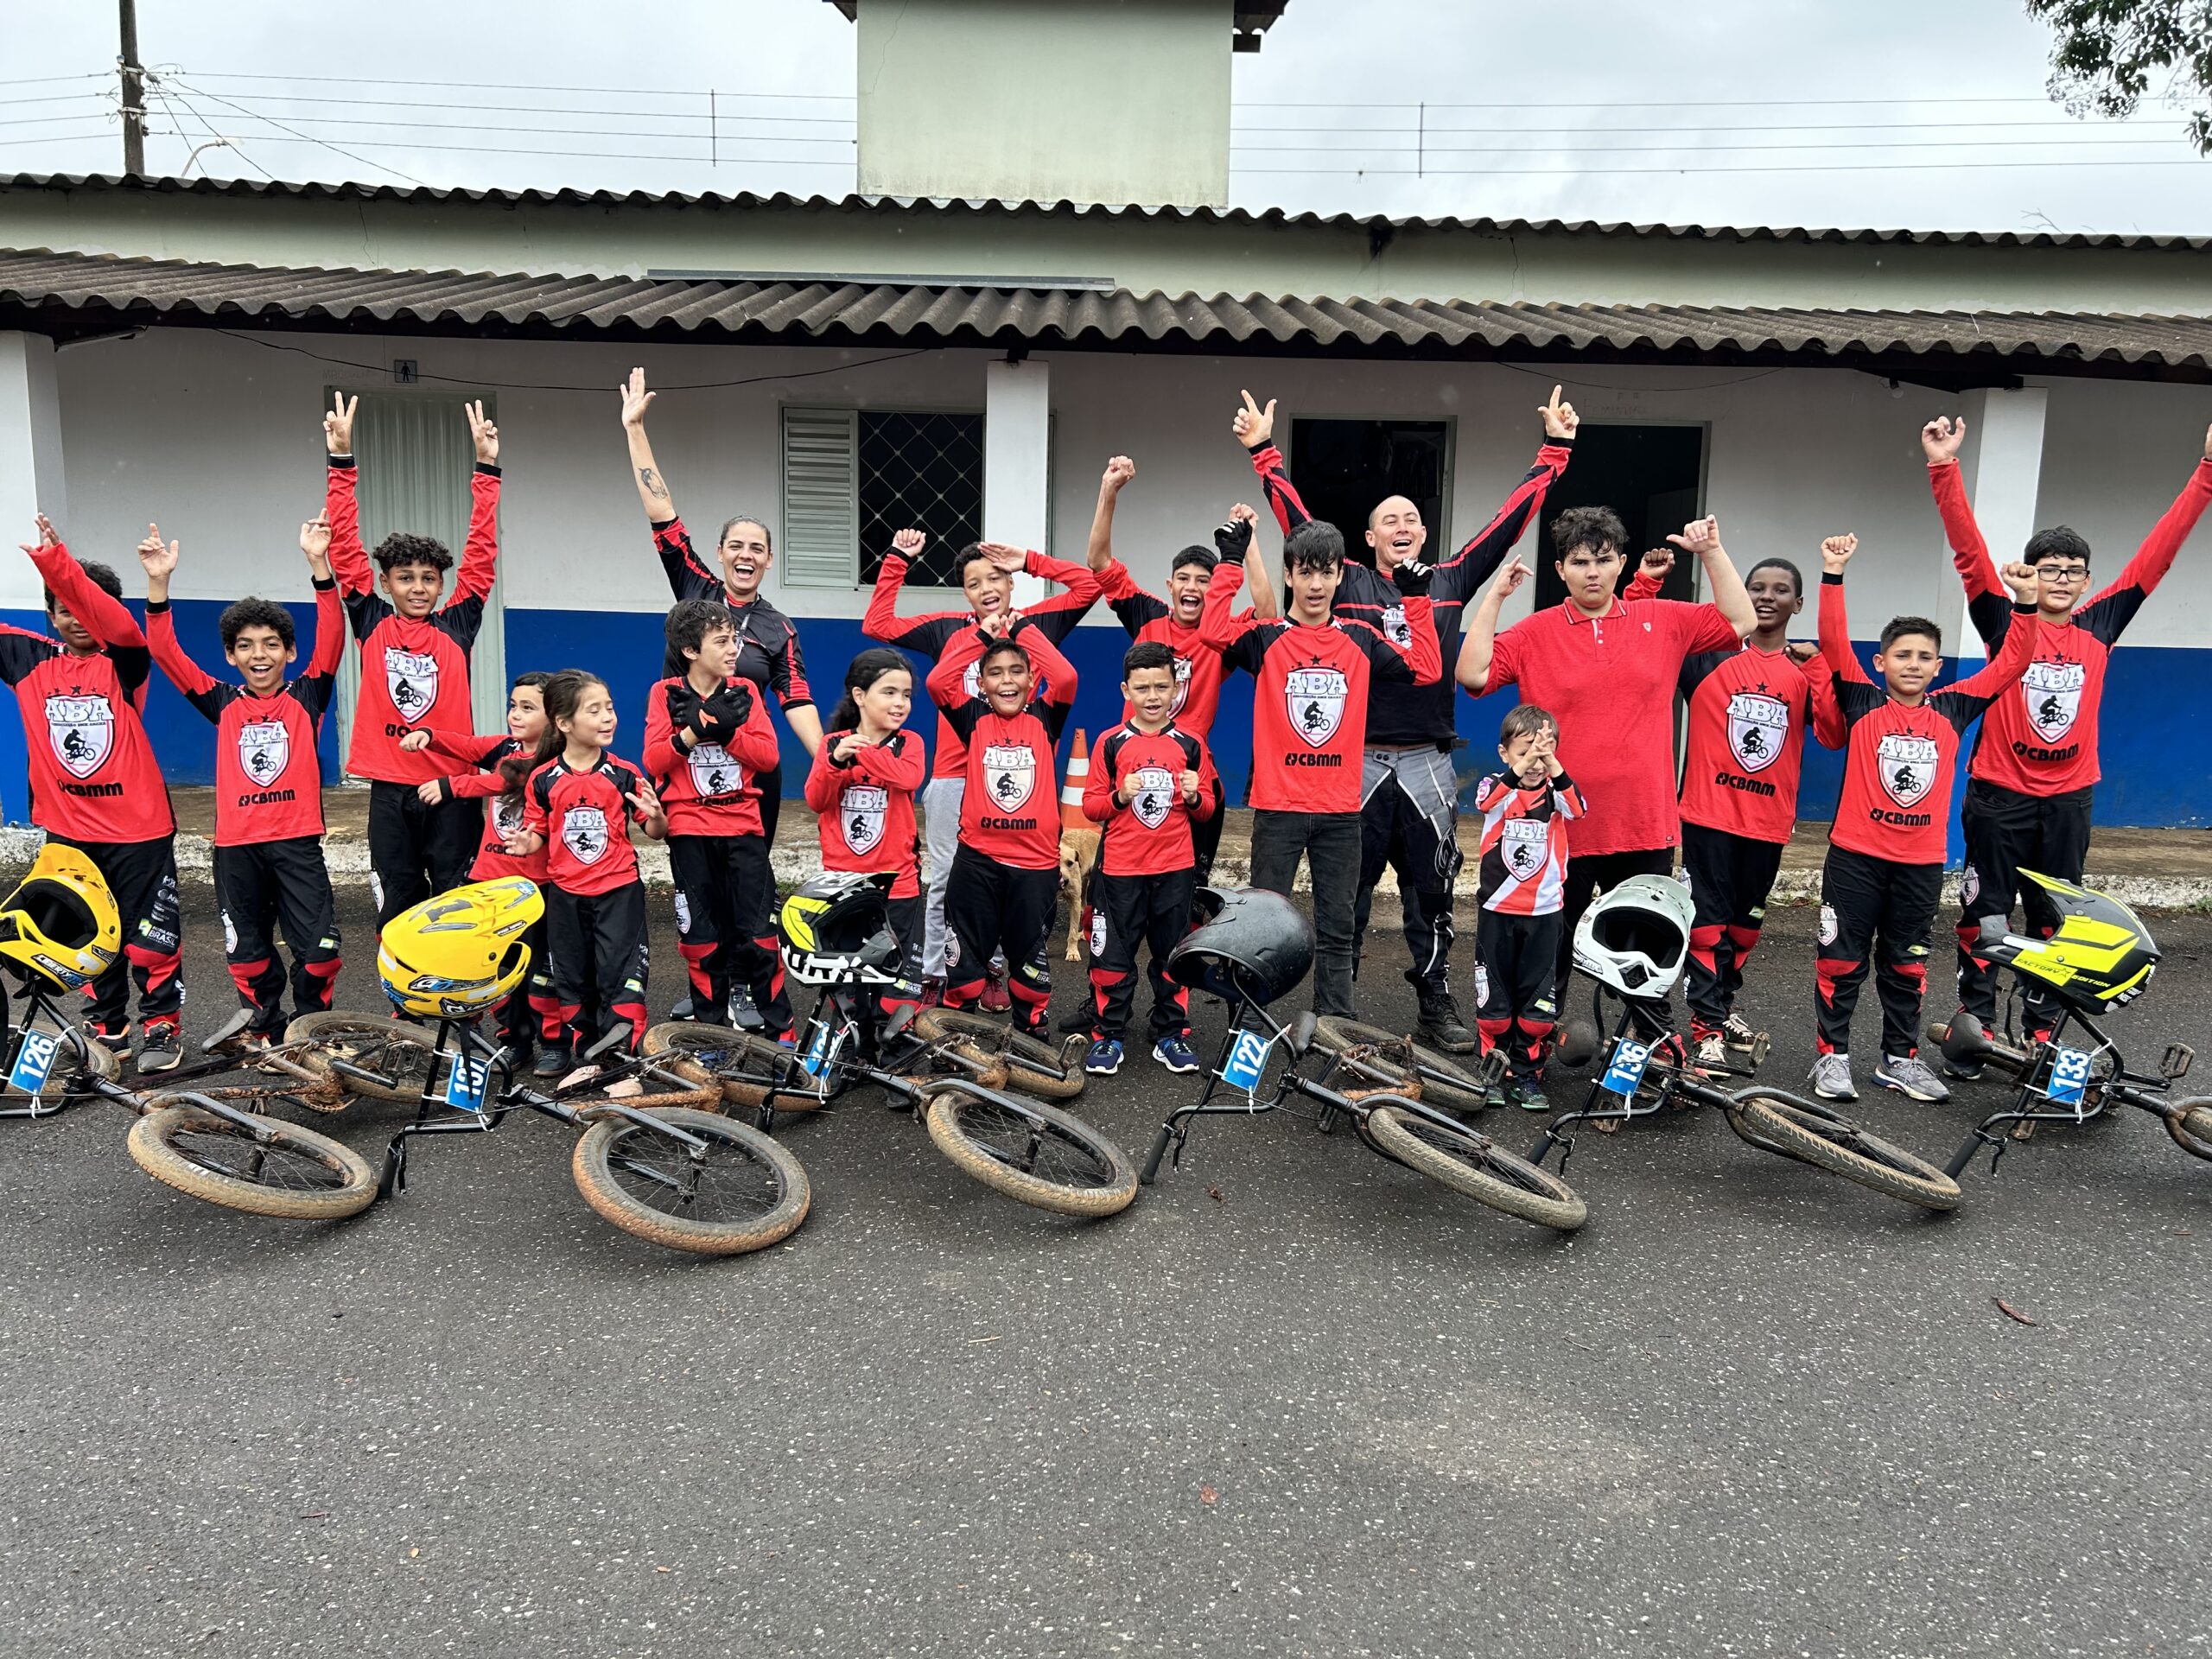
[[2099, 956], [1255, 946], [837, 927]]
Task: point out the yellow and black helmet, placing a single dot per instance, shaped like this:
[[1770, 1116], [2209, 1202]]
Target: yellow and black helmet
[[461, 952], [60, 922], [2099, 956], [837, 927]]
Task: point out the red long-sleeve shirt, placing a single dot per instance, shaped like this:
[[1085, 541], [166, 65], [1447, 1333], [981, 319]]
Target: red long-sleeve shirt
[[483, 782], [865, 807], [1011, 811], [585, 818], [709, 790], [1199, 669], [1150, 833], [1749, 712]]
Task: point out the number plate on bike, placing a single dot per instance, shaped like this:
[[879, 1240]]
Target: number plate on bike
[[34, 1061], [2070, 1076], [1626, 1071], [1248, 1059], [465, 1084], [822, 1053]]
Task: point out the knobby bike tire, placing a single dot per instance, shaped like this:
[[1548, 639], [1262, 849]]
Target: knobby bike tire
[[402, 1054], [100, 1061], [1047, 1075], [298, 1176], [1463, 1092], [1475, 1168], [750, 1193], [2190, 1122], [1085, 1173], [745, 1065], [1872, 1162]]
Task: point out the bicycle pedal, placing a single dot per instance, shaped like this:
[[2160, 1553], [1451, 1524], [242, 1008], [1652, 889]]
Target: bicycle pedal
[[2024, 1130]]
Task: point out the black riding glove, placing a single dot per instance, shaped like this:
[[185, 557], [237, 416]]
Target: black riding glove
[[1412, 579], [1234, 539]]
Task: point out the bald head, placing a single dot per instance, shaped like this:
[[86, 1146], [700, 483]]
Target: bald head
[[1396, 532]]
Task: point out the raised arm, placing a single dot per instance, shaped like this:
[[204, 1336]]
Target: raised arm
[[1100, 551], [103, 615], [479, 555], [2012, 661], [652, 488], [1267, 604], [1478, 559], [1479, 649], [1702, 538], [1049, 663], [882, 622], [2108, 614], [1835, 625], [1255, 427], [1058, 613], [1239, 639], [329, 611], [340, 503], [1987, 607], [201, 689]]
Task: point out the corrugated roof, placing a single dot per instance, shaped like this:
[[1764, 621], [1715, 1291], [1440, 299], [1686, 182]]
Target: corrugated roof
[[88, 292]]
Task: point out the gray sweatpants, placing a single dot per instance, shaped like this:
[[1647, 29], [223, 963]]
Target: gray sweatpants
[[1409, 817], [941, 798]]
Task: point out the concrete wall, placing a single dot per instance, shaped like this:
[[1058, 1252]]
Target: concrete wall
[[1121, 102]]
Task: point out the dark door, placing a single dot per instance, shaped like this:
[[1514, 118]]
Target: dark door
[[1342, 468], [1653, 476]]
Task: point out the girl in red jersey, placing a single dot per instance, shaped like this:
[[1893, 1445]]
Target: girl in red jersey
[[1005, 880], [576, 804], [862, 786]]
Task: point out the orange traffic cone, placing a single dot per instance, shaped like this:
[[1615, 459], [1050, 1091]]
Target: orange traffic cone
[[1072, 792]]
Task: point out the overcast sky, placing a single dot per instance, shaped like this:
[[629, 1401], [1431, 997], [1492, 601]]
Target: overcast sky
[[1621, 79]]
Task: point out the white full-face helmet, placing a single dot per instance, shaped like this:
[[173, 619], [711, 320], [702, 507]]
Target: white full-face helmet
[[1636, 937]]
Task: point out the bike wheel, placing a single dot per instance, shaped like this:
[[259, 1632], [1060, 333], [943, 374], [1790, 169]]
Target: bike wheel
[[1457, 1090], [1779, 1125], [2190, 1122], [296, 1174], [746, 1066], [1049, 1073], [1033, 1152], [399, 1054], [745, 1193], [1473, 1166]]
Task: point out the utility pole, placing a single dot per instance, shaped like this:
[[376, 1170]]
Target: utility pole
[[133, 94]]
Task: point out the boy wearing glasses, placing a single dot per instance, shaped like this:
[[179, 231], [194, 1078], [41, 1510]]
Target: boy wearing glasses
[[2035, 762]]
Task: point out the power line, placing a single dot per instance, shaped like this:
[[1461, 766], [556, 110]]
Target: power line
[[351, 123], [505, 150], [523, 86], [61, 137], [269, 120], [700, 116]]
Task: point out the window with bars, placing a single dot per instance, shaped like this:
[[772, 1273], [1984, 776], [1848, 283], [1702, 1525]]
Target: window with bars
[[855, 478]]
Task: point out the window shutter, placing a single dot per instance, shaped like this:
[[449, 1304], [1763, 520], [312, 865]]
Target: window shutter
[[822, 546]]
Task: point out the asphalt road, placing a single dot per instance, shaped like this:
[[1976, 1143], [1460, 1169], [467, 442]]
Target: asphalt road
[[1293, 1401]]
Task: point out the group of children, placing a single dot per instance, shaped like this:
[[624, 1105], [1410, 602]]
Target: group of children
[[1350, 762]]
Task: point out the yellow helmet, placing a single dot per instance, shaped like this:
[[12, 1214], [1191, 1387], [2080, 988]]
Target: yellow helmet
[[461, 952], [60, 922]]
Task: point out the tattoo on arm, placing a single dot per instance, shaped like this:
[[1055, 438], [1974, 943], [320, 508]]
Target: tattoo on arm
[[649, 480]]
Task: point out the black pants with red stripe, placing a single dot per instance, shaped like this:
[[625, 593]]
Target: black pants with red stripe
[[141, 876], [1729, 879], [2007, 832], [597, 942], [532, 1003], [416, 850], [725, 899], [990, 907], [1879, 909], [1516, 979], [1205, 842], [1129, 911], [261, 888]]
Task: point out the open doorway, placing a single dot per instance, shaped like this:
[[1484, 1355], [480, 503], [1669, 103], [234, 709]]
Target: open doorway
[[1653, 476], [1342, 467]]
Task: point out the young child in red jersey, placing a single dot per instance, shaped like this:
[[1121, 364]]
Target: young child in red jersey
[[1525, 809], [94, 785], [707, 740], [269, 867], [863, 791], [1150, 784], [1005, 880], [1885, 871], [577, 802], [414, 665]]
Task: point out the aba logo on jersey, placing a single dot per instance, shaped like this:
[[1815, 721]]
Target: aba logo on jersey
[[412, 679], [1395, 628], [263, 747], [1907, 765], [971, 681], [1758, 727], [584, 833], [713, 772], [82, 731], [2054, 694], [861, 808], [1182, 686], [1155, 795], [1525, 846], [1314, 698], [1009, 775], [506, 817]]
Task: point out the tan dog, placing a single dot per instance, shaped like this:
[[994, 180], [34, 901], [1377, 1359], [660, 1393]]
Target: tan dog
[[1078, 852]]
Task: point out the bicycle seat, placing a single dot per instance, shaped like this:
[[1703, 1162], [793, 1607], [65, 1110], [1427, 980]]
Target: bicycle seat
[[1255, 946]]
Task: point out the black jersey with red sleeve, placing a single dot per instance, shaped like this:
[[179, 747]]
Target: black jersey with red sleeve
[[865, 807], [928, 636], [767, 645], [414, 673], [1010, 812], [1399, 715], [1524, 852], [92, 773], [709, 789], [1309, 710], [1150, 833], [1749, 712], [268, 768], [2042, 740], [1900, 759], [585, 818], [482, 755], [1199, 669]]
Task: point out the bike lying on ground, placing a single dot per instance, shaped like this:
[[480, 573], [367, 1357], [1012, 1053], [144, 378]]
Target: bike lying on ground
[[958, 1072], [2100, 957], [1254, 948]]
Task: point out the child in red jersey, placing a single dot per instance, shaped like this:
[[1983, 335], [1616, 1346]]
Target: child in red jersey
[[268, 867], [1005, 880], [862, 788], [414, 665], [1525, 809], [576, 805], [1885, 870], [94, 785], [1151, 783], [707, 740]]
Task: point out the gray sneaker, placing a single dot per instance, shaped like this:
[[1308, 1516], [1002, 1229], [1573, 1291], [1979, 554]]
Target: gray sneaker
[[1832, 1078], [1910, 1075]]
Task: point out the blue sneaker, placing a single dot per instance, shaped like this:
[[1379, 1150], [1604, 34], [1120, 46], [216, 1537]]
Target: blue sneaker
[[1104, 1058], [1174, 1053]]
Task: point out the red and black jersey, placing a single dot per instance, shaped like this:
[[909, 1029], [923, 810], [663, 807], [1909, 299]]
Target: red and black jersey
[[1900, 759], [503, 809], [268, 770], [1399, 715], [1055, 615], [1749, 712], [709, 790], [1150, 834], [767, 645], [2043, 741], [585, 818], [413, 674], [1523, 868], [92, 774], [865, 807], [1010, 812], [1199, 669], [1309, 711]]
